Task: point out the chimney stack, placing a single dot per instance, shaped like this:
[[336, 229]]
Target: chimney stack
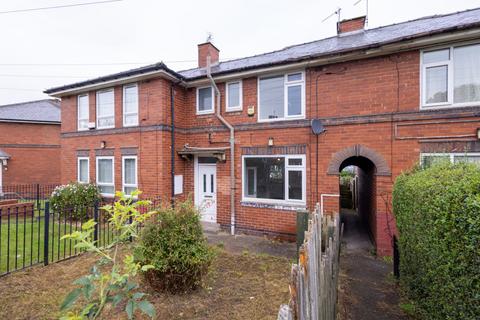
[[350, 25], [207, 49]]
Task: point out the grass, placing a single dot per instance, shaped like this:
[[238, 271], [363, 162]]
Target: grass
[[237, 287], [22, 241]]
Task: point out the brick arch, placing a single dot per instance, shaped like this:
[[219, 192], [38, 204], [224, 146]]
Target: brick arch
[[382, 168]]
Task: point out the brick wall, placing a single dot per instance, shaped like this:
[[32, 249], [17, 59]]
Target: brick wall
[[373, 103], [34, 151]]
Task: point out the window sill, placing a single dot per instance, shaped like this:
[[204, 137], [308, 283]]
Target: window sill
[[203, 113], [275, 206], [238, 109], [448, 106], [282, 119]]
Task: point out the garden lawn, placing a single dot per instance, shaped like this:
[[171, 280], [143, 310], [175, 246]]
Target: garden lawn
[[22, 243], [239, 286]]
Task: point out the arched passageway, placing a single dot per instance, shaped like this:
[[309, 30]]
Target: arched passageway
[[357, 200], [369, 172]]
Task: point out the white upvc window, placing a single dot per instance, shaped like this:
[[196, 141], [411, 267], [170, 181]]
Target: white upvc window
[[129, 174], [105, 175], [105, 109], [450, 77], [276, 179], [83, 170], [427, 159], [130, 105], [233, 96], [82, 112], [281, 97], [205, 100]]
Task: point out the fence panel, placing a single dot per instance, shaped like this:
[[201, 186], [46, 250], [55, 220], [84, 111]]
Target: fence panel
[[314, 279], [31, 234]]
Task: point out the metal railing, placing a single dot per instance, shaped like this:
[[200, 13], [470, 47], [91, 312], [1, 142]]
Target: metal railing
[[31, 234]]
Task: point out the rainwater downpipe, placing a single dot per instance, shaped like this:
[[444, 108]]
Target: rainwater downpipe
[[232, 148]]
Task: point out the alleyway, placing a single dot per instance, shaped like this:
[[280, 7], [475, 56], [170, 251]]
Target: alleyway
[[367, 290]]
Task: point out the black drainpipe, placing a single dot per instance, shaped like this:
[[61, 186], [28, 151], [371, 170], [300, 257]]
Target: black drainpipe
[[172, 110]]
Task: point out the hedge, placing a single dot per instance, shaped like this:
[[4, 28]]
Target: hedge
[[437, 212]]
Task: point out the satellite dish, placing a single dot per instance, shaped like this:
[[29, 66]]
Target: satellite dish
[[317, 127]]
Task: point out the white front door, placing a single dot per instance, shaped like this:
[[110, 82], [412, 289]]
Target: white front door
[[207, 191], [1, 181]]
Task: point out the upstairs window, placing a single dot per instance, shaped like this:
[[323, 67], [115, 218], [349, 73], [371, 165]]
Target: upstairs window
[[83, 170], [205, 100], [105, 109], [130, 105], [105, 176], [281, 97], [234, 96], [82, 112], [451, 76]]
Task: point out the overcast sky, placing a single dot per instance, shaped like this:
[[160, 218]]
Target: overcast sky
[[41, 49]]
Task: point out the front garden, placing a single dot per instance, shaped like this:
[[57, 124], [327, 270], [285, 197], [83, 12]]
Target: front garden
[[158, 264]]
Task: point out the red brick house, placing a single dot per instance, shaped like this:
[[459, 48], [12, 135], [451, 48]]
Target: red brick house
[[237, 135], [30, 143]]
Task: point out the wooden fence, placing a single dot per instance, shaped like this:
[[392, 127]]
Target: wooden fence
[[314, 279]]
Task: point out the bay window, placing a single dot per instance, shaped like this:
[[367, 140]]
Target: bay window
[[274, 178], [105, 176], [105, 109], [451, 76], [129, 174], [281, 97]]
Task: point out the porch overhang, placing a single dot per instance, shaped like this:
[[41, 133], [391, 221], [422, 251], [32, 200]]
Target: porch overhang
[[189, 153], [4, 157]]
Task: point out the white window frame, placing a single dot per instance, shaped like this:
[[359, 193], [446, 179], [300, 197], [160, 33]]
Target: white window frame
[[240, 94], [212, 110], [112, 184], [78, 111], [255, 180], [450, 77], [451, 155], [124, 113], [129, 185], [286, 84], [108, 116], [288, 168], [79, 159]]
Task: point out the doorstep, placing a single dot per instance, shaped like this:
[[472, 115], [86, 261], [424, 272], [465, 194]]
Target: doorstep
[[210, 227]]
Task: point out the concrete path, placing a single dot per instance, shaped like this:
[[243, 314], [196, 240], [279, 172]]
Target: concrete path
[[252, 244], [367, 289]]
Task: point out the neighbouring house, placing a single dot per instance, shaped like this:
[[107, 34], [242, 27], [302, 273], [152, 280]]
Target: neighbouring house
[[30, 143], [252, 140]]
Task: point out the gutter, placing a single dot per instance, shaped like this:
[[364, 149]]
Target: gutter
[[232, 148]]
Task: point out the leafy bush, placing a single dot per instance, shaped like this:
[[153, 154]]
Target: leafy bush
[[74, 197], [176, 247], [113, 283], [438, 217]]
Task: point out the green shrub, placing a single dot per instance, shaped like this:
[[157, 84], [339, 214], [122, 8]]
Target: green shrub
[[437, 212], [75, 198], [175, 245]]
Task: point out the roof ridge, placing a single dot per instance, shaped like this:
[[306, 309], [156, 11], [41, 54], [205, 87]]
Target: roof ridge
[[335, 36], [55, 102]]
